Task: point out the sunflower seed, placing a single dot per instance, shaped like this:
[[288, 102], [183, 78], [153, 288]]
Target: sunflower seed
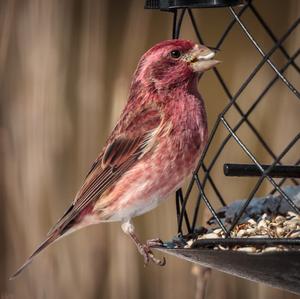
[[270, 249], [252, 221], [210, 236], [241, 233], [248, 249]]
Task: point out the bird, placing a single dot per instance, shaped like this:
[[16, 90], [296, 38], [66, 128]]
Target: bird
[[152, 149]]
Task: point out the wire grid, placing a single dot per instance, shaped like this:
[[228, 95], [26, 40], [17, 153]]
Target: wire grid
[[190, 219]]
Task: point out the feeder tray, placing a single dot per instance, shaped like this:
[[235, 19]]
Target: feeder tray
[[280, 269]]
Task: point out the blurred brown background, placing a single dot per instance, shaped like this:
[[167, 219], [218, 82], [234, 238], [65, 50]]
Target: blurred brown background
[[65, 68]]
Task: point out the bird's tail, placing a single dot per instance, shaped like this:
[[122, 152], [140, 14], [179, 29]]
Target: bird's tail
[[51, 238]]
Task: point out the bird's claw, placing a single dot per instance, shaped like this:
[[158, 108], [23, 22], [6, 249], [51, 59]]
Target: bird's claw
[[154, 242], [148, 255], [158, 262]]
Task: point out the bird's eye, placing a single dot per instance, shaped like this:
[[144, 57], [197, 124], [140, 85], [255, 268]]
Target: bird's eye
[[175, 54]]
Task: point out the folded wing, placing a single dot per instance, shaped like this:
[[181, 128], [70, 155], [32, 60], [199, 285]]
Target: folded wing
[[130, 140]]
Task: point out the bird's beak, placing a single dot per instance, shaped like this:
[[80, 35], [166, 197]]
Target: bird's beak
[[200, 59]]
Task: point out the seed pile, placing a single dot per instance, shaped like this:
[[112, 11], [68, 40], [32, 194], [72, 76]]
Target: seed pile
[[266, 227]]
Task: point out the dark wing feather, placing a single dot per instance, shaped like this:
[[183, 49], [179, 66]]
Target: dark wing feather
[[121, 149], [95, 164], [120, 154]]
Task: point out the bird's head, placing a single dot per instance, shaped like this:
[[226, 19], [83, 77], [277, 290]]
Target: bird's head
[[173, 62]]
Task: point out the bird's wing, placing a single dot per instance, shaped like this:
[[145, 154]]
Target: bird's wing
[[126, 145]]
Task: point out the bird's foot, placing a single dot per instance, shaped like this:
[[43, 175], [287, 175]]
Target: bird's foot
[[144, 249], [146, 252]]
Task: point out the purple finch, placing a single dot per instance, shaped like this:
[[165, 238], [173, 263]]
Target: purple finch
[[152, 149]]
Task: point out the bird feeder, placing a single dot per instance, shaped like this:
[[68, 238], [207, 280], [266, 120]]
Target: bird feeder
[[249, 238]]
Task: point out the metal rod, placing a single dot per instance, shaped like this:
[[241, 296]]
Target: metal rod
[[179, 195], [229, 27], [284, 179], [178, 26], [178, 213], [213, 185], [208, 204], [186, 218], [195, 26], [197, 206], [174, 23], [183, 208], [271, 34], [246, 204], [266, 57], [278, 171]]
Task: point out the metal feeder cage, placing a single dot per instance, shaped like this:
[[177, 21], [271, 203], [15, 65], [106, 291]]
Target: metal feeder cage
[[277, 268]]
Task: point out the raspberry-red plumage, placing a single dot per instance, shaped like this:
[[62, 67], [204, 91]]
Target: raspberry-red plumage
[[153, 148]]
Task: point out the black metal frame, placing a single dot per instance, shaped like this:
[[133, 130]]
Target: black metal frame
[[175, 4], [265, 172]]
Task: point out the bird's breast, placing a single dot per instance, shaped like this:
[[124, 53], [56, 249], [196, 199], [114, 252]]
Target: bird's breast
[[162, 169], [188, 123]]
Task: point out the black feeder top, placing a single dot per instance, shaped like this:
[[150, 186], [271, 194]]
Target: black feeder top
[[174, 4]]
